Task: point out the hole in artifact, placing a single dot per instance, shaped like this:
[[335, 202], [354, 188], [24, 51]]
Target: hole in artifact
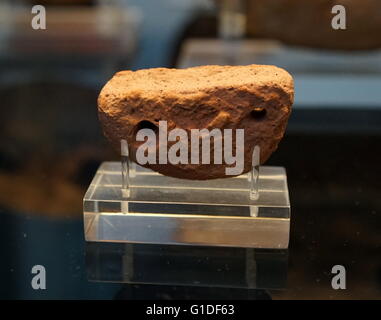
[[258, 113], [145, 124]]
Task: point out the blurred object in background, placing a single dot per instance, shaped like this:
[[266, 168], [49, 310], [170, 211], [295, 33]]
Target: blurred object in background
[[61, 2], [50, 147], [162, 24], [308, 23], [232, 19], [231, 28], [76, 31], [99, 38], [349, 79]]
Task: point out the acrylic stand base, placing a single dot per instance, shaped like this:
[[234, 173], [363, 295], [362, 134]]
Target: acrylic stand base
[[142, 206]]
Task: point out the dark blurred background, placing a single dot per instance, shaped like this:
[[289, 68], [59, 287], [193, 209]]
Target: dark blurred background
[[51, 143]]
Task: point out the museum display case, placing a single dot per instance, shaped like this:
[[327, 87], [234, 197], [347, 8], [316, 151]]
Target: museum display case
[[76, 202]]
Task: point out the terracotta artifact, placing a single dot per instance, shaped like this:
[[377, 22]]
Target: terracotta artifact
[[254, 98]]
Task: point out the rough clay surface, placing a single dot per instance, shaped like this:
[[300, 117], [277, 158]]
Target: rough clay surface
[[255, 98]]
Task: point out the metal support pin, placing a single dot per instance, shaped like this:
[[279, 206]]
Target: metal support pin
[[125, 168], [254, 173]]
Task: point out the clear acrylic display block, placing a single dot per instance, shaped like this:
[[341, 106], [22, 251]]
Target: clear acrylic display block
[[158, 209]]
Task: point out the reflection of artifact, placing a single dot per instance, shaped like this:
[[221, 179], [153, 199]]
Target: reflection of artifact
[[308, 23], [255, 98], [187, 265]]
